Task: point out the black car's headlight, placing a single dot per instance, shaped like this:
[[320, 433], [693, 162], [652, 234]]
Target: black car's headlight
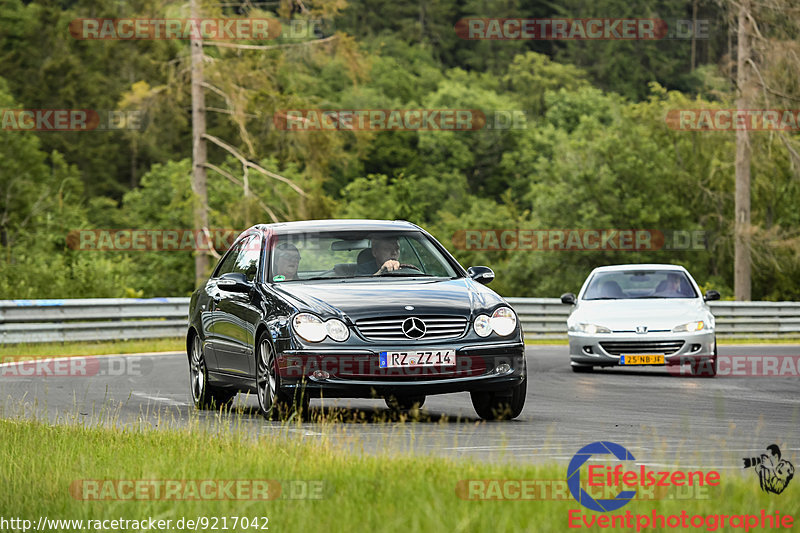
[[503, 322], [313, 329]]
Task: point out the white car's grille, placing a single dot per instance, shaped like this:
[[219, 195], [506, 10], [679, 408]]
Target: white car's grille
[[642, 347], [391, 328]]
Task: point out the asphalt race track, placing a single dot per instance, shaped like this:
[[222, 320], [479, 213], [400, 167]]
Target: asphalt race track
[[660, 417]]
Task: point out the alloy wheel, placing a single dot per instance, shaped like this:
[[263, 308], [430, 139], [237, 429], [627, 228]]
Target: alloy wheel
[[197, 372], [266, 379]]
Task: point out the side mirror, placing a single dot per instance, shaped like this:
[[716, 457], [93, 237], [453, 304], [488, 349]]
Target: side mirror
[[481, 274], [711, 295], [568, 298], [234, 282]]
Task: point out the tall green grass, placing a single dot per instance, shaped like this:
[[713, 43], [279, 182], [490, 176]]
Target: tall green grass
[[389, 491]]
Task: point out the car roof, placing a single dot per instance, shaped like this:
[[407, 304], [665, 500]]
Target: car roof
[[336, 225], [638, 266]]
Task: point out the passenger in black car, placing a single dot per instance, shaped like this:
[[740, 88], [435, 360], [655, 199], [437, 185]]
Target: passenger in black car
[[287, 261]]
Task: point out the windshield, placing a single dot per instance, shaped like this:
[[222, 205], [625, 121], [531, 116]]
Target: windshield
[[356, 254], [636, 284]]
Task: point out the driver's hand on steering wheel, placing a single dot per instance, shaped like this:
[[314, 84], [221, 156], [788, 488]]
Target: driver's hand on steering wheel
[[388, 266]]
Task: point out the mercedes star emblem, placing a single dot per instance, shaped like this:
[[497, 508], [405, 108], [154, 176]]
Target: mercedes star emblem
[[413, 328]]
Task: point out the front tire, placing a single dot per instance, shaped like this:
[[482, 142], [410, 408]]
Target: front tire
[[273, 403], [501, 406], [204, 396]]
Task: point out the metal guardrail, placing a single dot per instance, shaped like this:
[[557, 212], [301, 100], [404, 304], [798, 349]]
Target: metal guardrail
[[109, 319], [92, 319]]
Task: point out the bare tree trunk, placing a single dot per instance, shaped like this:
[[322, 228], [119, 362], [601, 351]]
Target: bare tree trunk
[[694, 35], [198, 152], [741, 263]]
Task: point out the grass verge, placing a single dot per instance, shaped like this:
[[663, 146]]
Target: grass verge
[[67, 349], [39, 463]]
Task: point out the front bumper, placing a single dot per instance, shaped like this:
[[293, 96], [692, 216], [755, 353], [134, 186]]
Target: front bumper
[[605, 349], [356, 373]]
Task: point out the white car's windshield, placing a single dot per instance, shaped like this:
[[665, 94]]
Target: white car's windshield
[[356, 254], [635, 284]]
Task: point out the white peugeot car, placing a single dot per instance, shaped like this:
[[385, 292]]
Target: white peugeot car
[[641, 314]]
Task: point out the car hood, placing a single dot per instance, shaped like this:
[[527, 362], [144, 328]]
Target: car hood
[[389, 297], [655, 314]]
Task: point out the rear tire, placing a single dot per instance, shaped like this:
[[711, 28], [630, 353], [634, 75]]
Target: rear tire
[[204, 396], [404, 402], [501, 406]]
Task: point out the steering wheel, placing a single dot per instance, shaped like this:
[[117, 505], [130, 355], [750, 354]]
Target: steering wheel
[[403, 266]]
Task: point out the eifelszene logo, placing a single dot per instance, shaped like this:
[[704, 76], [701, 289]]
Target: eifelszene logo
[[638, 477], [574, 476], [774, 473]]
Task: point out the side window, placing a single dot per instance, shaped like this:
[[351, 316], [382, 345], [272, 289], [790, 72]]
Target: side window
[[248, 257], [228, 261]]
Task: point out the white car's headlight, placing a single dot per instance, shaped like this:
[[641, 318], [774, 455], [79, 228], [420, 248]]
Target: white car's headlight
[[313, 329], [690, 326], [503, 321], [590, 329], [482, 326]]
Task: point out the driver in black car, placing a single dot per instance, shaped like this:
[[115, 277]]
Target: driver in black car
[[385, 252]]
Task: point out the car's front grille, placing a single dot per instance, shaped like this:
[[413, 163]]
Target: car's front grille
[[391, 328], [643, 347]]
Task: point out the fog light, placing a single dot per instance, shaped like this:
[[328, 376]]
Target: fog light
[[695, 347], [320, 374], [587, 349], [502, 368]]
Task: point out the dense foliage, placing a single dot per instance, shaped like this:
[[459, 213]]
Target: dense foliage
[[594, 150]]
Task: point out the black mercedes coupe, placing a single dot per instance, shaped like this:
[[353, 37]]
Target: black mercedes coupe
[[351, 308]]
